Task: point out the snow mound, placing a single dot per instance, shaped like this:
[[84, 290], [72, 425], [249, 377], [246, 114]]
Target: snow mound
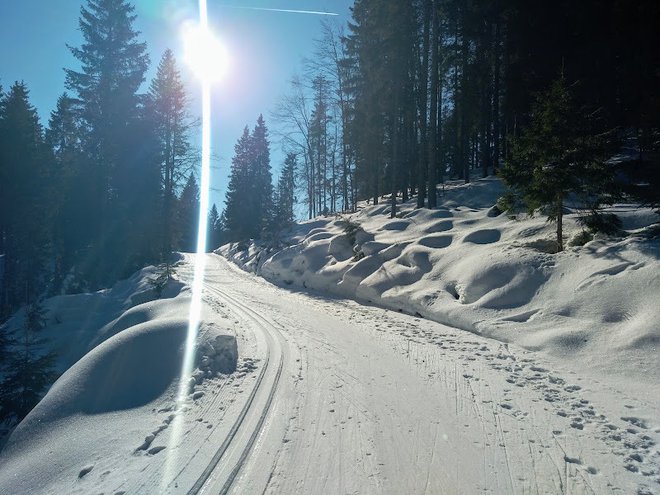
[[101, 406], [467, 265], [73, 322]]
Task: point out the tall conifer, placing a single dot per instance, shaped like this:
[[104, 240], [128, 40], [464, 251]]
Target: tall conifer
[[113, 64]]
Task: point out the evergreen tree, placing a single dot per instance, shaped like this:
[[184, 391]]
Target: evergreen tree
[[236, 200], [248, 202], [30, 370], [168, 111], [188, 215], [214, 229], [23, 210], [134, 239], [260, 193], [68, 188], [113, 67], [284, 199], [558, 154]]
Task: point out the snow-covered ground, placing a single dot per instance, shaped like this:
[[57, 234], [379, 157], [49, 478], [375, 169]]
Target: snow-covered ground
[[468, 266], [544, 378], [104, 423]]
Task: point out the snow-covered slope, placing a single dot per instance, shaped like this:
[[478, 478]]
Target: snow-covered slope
[[467, 265], [328, 396], [108, 411]]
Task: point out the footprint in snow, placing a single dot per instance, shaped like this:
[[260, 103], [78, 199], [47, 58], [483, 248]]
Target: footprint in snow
[[85, 470]]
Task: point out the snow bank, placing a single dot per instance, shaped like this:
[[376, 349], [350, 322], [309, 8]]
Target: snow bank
[[73, 321], [466, 265]]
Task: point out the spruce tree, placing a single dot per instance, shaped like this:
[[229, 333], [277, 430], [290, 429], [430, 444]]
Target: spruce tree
[[68, 181], [558, 154], [24, 213], [214, 229], [236, 200], [188, 215], [284, 199], [113, 64], [249, 199], [260, 180], [168, 110]]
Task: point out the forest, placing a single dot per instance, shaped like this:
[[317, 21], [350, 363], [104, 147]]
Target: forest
[[412, 93]]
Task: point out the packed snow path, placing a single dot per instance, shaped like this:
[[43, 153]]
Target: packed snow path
[[342, 398]]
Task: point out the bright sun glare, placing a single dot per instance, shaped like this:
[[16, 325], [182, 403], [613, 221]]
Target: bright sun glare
[[208, 60], [204, 53]]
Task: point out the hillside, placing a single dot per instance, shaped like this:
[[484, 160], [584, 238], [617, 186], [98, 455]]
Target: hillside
[[466, 265]]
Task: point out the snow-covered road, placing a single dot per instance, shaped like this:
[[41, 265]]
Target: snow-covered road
[[344, 398]]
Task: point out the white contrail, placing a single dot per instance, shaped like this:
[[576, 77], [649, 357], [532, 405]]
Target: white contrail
[[289, 11]]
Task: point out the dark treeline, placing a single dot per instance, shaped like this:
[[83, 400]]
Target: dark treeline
[[109, 184], [419, 91]]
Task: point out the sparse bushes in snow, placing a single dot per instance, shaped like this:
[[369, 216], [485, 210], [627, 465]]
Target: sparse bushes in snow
[[580, 239]]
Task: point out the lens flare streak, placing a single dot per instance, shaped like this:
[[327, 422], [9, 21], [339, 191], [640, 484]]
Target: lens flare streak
[[194, 317]]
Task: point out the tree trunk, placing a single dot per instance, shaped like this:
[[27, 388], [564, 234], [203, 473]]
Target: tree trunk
[[423, 98], [433, 117], [496, 94], [560, 218]]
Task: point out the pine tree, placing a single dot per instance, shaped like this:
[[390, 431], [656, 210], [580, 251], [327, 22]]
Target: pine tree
[[188, 215], [30, 370], [558, 154], [168, 110]]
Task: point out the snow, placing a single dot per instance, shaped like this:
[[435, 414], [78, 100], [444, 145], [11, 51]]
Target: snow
[[467, 266], [480, 364], [93, 417]]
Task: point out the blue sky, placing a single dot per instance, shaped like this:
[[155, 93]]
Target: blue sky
[[265, 49]]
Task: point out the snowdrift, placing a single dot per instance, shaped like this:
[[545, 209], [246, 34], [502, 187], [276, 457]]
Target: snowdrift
[[467, 265]]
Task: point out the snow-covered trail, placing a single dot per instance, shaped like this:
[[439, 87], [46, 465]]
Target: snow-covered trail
[[356, 399]]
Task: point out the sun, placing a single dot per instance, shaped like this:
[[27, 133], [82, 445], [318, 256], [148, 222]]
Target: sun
[[204, 53]]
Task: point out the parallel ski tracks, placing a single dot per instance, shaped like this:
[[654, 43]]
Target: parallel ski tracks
[[274, 360]]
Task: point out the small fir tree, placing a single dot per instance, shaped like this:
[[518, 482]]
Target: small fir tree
[[559, 154], [284, 197], [213, 226]]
